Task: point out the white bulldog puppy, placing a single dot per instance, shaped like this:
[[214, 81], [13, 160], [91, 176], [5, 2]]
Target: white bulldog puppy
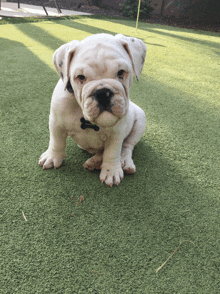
[[91, 104]]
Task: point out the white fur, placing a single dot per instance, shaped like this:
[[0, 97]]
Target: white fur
[[98, 58]]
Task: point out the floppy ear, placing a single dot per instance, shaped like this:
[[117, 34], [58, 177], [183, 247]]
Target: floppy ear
[[62, 58], [136, 50]]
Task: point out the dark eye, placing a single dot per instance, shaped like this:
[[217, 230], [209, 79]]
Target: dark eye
[[81, 77], [120, 73]]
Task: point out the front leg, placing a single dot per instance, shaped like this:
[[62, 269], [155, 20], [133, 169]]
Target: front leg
[[111, 171], [55, 153]]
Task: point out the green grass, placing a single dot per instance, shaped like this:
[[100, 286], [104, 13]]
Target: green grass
[[118, 237]]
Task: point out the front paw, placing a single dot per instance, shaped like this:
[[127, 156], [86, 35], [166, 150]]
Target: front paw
[[111, 174], [51, 159]]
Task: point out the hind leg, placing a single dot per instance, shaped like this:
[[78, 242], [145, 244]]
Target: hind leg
[[126, 159], [94, 162], [132, 139]]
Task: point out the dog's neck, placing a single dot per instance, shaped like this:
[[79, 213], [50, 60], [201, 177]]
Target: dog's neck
[[86, 124]]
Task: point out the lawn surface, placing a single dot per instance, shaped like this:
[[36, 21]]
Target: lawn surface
[[116, 239]]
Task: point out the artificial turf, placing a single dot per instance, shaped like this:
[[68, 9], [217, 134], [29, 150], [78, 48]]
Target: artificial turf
[[116, 238]]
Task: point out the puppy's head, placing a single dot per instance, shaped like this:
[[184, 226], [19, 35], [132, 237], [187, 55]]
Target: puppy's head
[[99, 70]]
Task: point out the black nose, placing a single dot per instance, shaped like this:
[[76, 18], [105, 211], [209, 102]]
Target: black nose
[[103, 96]]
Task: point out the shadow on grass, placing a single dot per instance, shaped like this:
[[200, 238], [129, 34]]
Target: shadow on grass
[[167, 31], [95, 30], [52, 42], [24, 96], [40, 35], [156, 29], [47, 39], [146, 217], [191, 39]]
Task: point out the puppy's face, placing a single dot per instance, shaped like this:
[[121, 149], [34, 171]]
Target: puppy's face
[[100, 70], [101, 75]]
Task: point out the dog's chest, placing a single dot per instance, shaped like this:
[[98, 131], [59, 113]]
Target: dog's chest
[[71, 120], [88, 139]]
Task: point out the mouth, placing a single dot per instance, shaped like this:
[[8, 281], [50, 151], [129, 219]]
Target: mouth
[[104, 98], [105, 103]]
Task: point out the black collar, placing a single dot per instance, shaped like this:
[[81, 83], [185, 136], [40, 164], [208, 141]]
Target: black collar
[[86, 124]]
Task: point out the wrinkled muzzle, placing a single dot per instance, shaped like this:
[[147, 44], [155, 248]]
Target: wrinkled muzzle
[[104, 102]]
